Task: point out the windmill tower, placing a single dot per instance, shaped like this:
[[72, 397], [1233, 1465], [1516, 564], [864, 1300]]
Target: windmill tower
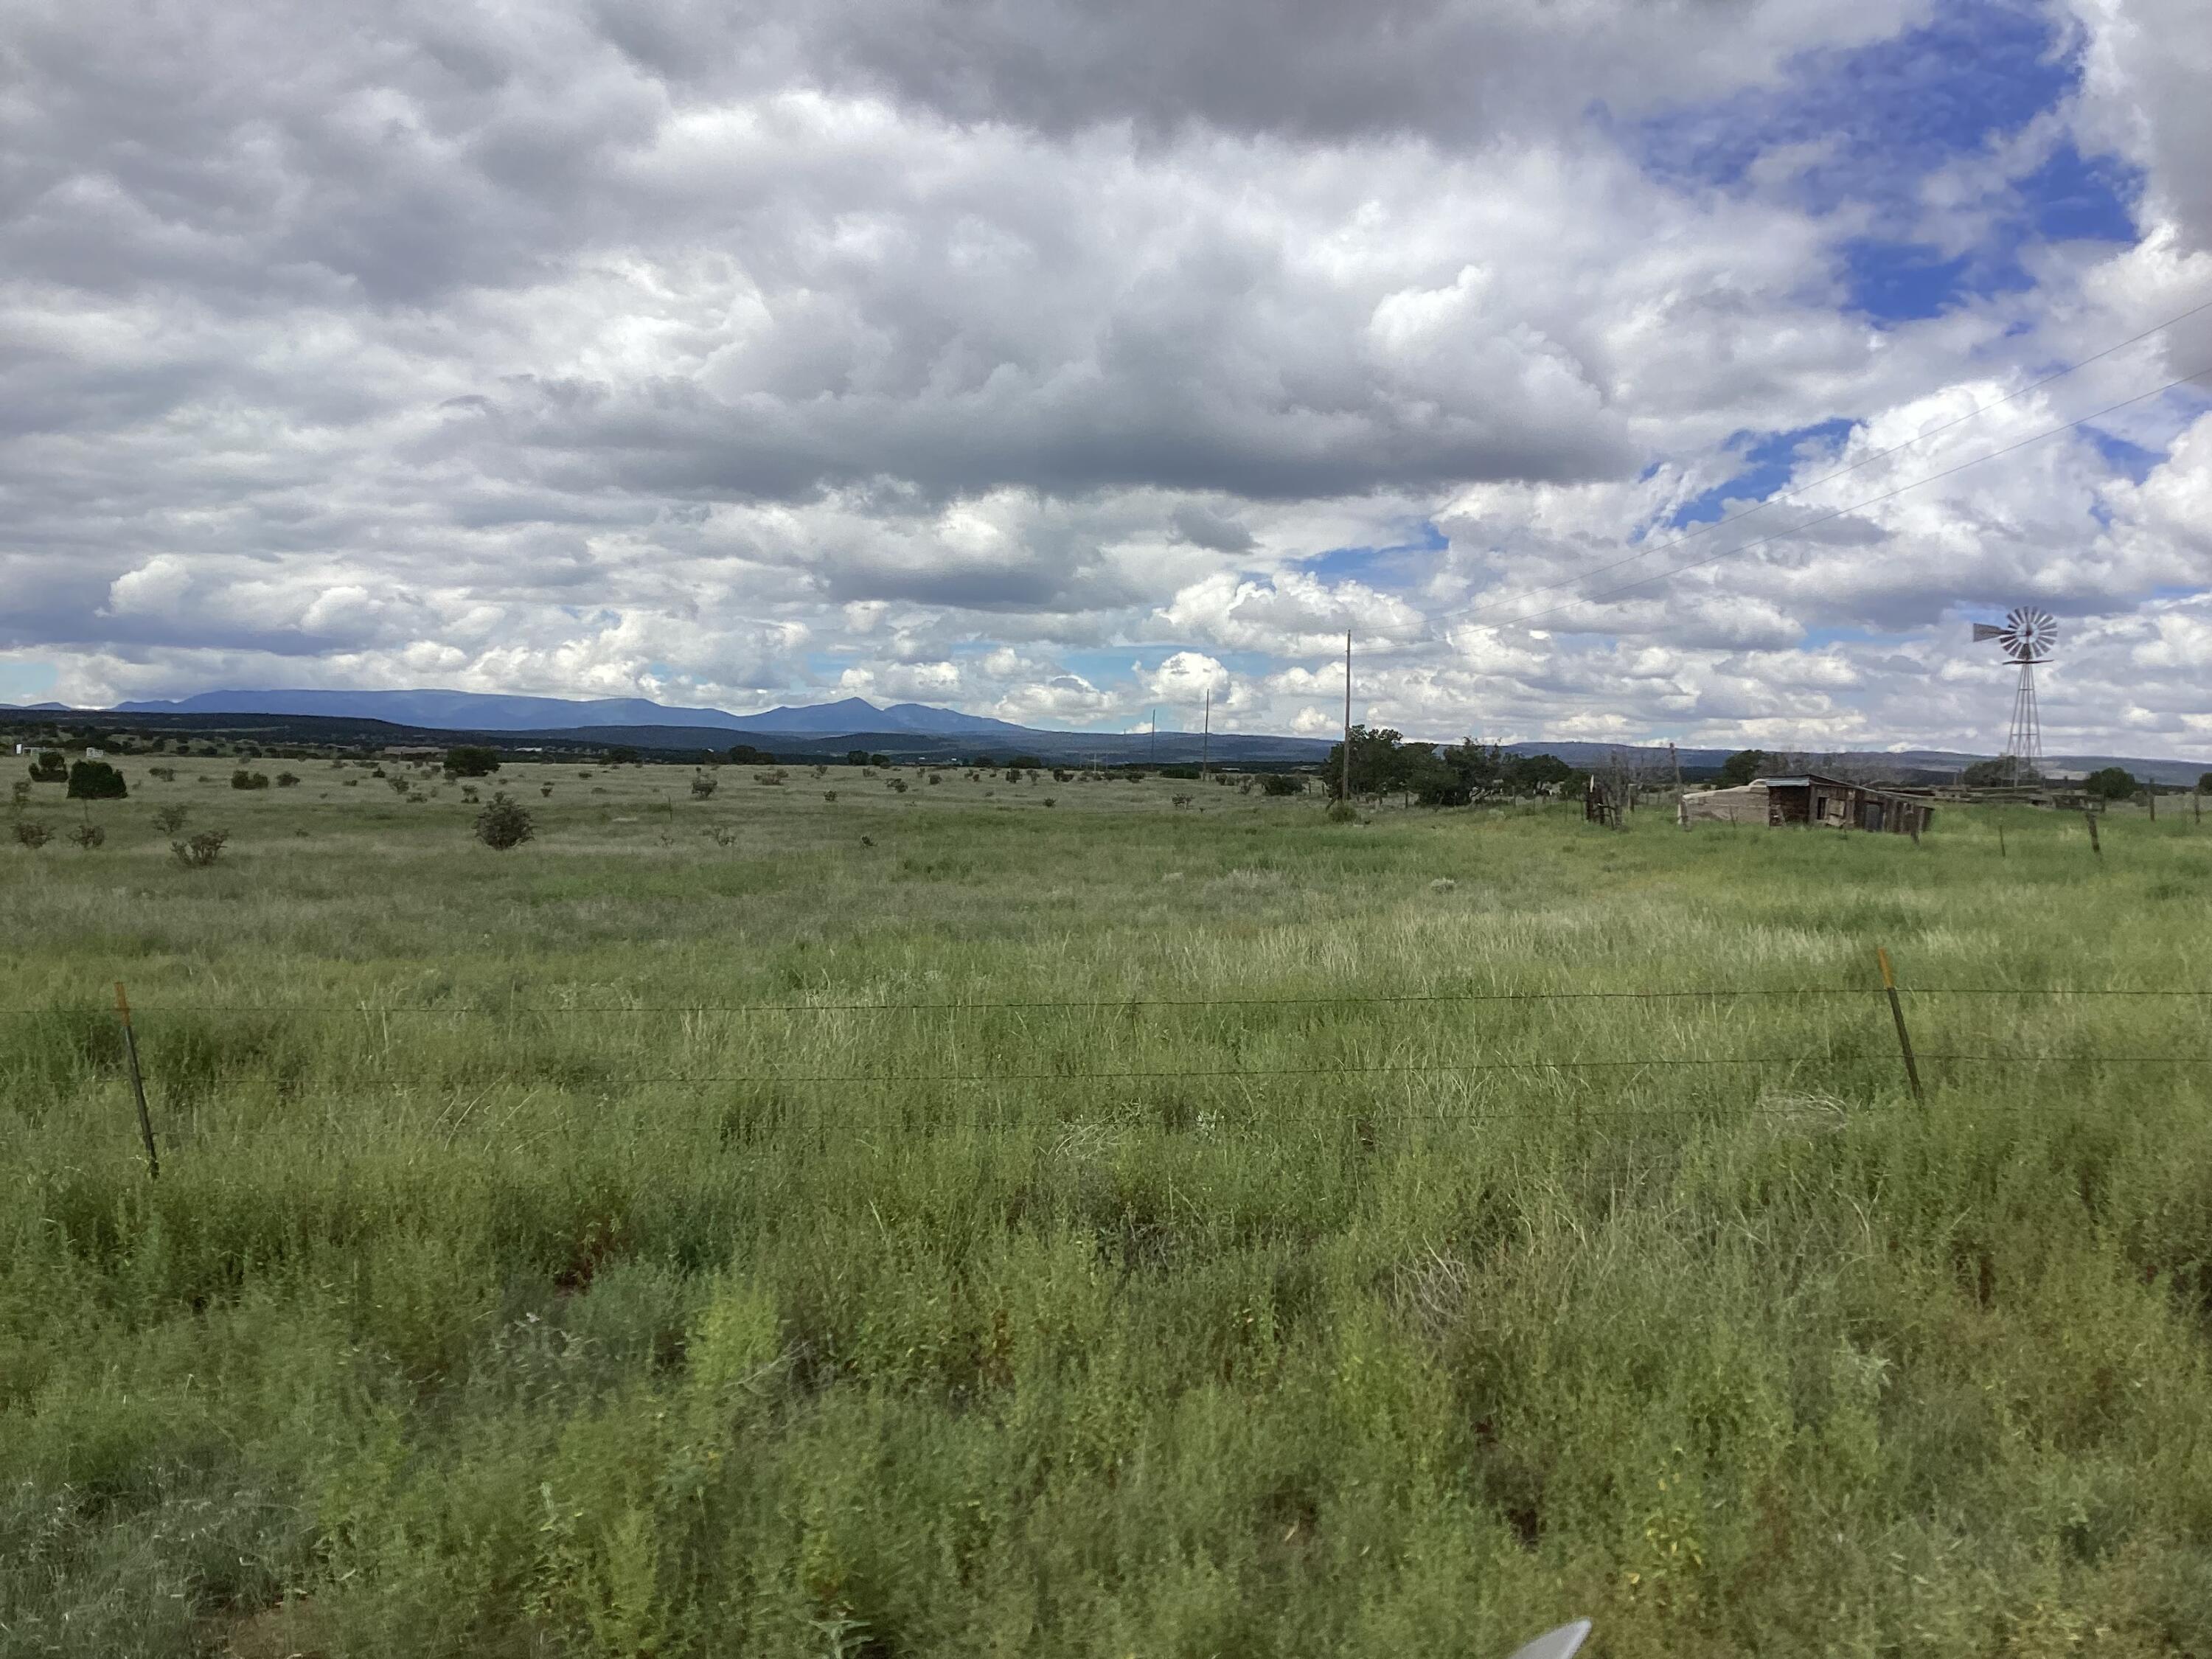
[[2026, 637]]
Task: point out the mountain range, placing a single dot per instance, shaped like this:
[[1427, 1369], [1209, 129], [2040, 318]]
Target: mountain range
[[907, 731], [475, 711]]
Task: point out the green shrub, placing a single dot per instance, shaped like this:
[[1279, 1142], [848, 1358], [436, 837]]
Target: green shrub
[[242, 778], [49, 768], [703, 784], [287, 779], [170, 819], [93, 779], [472, 761], [32, 834], [88, 835], [1282, 783], [504, 824]]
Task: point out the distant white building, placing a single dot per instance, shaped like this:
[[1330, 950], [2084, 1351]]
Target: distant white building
[[95, 754]]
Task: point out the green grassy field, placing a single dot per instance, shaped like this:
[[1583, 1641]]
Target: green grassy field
[[1039, 1218]]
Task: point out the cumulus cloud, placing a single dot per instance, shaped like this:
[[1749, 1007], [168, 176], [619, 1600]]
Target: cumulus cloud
[[1053, 359]]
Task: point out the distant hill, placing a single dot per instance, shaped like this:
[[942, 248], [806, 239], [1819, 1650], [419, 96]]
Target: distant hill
[[827, 731]]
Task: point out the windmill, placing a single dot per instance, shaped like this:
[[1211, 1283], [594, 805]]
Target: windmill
[[2027, 636]]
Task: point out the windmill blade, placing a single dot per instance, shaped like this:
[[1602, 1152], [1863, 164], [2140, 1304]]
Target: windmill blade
[[1987, 631]]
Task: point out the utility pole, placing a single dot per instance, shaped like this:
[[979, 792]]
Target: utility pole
[[1205, 737], [1153, 752], [1675, 761], [1347, 717]]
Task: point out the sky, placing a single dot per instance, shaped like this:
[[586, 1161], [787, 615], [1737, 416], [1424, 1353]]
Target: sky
[[1625, 370]]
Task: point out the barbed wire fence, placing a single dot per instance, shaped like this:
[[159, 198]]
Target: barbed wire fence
[[1893, 1000]]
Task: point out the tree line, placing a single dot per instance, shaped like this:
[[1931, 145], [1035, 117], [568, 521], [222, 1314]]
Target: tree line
[[1384, 763]]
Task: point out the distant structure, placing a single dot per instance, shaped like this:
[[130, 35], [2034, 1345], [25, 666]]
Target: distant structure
[[2026, 637], [1811, 798]]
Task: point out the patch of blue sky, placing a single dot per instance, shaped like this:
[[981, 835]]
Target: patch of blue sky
[[2074, 197], [2123, 455], [1401, 564], [1865, 128], [1109, 666], [23, 680], [1871, 121], [1815, 638], [1769, 458]]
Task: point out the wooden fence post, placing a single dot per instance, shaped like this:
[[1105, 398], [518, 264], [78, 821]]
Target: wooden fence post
[[1897, 1014], [2095, 845], [2001, 846], [137, 1082]]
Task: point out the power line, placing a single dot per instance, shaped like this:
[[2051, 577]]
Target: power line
[[1978, 411]]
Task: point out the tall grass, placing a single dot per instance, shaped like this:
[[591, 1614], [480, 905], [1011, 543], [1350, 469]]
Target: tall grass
[[1102, 1230]]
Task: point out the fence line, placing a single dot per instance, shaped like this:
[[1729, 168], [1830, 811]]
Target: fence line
[[1112, 1004], [424, 1080]]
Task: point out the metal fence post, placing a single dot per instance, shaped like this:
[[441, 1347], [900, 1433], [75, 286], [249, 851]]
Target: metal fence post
[[137, 1082], [1897, 1014]]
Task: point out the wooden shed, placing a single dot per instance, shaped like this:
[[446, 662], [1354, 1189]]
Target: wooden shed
[[1810, 799]]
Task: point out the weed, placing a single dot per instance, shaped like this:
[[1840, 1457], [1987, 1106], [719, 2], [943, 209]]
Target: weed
[[201, 850]]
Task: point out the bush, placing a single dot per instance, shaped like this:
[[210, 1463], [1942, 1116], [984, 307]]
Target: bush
[[242, 778], [504, 824], [201, 850], [170, 819], [703, 784], [472, 761], [829, 795], [19, 793], [287, 779], [96, 782], [32, 834], [49, 768], [88, 835], [2113, 783], [1281, 783], [166, 774]]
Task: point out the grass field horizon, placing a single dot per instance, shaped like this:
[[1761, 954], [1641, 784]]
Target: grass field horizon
[[1039, 1217]]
